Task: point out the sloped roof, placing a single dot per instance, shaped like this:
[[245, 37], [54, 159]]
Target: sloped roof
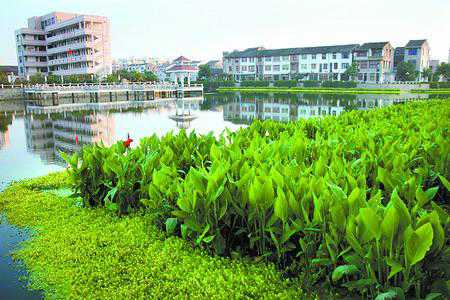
[[181, 58], [182, 68], [415, 43], [260, 52], [367, 46], [9, 69]]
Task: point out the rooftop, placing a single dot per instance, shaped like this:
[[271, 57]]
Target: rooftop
[[260, 52], [375, 45], [415, 43]]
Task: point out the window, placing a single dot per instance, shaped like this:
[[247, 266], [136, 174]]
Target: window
[[372, 77], [284, 110], [412, 51], [304, 66], [230, 69], [244, 68], [276, 58], [344, 65], [345, 54], [303, 56], [413, 61], [251, 59], [363, 65], [244, 59], [373, 64], [251, 68], [267, 68], [276, 109], [268, 59], [325, 66], [236, 60], [237, 69], [267, 109], [285, 67], [335, 66], [334, 55], [276, 68], [324, 56], [285, 58], [313, 66], [361, 53], [313, 56]]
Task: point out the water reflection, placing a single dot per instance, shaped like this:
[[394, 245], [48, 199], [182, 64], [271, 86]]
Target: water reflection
[[244, 108]]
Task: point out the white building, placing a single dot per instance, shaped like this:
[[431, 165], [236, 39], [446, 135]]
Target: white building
[[64, 44], [182, 68], [312, 63]]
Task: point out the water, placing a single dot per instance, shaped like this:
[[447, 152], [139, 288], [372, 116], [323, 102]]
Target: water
[[30, 142]]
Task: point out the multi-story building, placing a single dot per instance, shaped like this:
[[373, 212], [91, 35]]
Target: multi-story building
[[434, 64], [375, 62], [313, 63], [417, 52], [64, 44]]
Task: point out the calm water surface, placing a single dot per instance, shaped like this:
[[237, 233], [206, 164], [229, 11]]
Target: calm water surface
[[30, 142]]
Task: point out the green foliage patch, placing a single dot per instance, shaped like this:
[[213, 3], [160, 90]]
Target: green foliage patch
[[83, 253]]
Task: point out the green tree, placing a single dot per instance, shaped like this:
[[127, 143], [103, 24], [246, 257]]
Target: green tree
[[351, 72], [204, 72], [53, 79], [428, 74], [3, 78], [444, 70], [150, 76], [37, 78], [406, 71]]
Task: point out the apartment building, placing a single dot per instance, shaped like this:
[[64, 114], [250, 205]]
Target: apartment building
[[64, 44], [375, 62], [417, 52], [311, 63]]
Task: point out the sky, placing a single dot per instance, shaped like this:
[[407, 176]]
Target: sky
[[203, 29]]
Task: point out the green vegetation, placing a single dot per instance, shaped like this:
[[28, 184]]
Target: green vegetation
[[440, 85], [406, 71], [82, 253], [308, 90], [133, 76], [355, 203], [441, 91]]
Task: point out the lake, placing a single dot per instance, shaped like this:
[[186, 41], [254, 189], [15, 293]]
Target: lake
[[31, 140]]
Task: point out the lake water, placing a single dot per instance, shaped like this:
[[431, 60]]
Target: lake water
[[30, 142]]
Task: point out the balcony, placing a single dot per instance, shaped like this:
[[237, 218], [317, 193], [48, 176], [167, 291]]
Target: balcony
[[66, 48], [34, 53], [85, 70], [72, 34], [33, 42], [35, 64], [68, 60]]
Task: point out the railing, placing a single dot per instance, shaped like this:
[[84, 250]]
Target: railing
[[107, 86]]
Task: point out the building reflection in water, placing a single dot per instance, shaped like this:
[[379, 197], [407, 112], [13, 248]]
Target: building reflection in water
[[243, 108], [47, 134]]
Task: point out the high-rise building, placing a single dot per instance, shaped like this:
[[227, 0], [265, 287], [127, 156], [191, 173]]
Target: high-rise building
[[64, 44]]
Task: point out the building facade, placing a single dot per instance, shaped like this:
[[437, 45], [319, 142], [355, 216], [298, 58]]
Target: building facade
[[417, 52], [182, 68], [64, 44], [375, 62]]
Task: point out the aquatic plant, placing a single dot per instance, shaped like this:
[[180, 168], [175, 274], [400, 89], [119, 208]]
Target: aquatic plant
[[357, 201]]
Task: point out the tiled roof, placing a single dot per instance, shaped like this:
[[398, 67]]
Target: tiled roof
[[182, 68], [375, 45], [415, 43], [181, 58], [8, 69], [259, 52]]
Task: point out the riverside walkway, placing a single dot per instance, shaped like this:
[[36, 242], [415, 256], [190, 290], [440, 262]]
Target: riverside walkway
[[101, 92]]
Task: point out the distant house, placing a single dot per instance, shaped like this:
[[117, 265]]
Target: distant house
[[182, 68], [434, 63], [216, 68], [375, 61]]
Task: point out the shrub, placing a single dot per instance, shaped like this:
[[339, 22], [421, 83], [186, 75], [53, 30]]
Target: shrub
[[285, 83], [311, 83], [339, 84], [440, 85], [255, 83]]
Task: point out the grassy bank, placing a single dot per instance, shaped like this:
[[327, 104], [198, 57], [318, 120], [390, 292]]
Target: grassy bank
[[84, 253], [432, 91], [308, 90]]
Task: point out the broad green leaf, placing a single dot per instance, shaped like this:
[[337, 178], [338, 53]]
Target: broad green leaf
[[394, 293], [171, 223], [281, 205], [445, 182], [395, 267], [418, 244], [371, 221], [340, 271]]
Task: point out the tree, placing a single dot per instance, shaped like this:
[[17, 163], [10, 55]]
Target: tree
[[351, 72], [150, 76], [204, 72], [3, 78], [444, 70], [406, 71], [53, 79], [37, 78], [427, 73]]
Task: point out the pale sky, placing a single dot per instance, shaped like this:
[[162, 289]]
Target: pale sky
[[203, 29]]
